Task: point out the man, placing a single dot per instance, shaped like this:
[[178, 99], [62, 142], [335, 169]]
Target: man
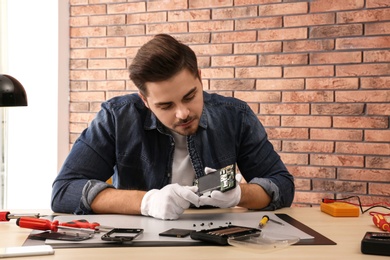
[[157, 142]]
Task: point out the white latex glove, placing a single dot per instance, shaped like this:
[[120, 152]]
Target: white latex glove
[[169, 202], [220, 199]]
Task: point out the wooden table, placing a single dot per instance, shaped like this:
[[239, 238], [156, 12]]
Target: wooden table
[[347, 232]]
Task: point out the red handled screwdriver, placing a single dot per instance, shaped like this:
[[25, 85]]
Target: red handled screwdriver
[[380, 221], [39, 224]]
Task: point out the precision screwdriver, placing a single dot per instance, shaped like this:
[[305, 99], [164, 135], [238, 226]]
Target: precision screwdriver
[[7, 216]]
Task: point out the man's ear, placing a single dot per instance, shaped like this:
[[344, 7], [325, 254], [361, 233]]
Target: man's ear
[[143, 99]]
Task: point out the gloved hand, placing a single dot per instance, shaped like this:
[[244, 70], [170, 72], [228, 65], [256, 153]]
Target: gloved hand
[[169, 202], [220, 199]]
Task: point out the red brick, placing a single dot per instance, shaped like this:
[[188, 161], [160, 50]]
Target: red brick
[[168, 28], [190, 15], [235, 12], [363, 96], [276, 144], [377, 56], [282, 34], [235, 60], [335, 57], [378, 162], [87, 10], [257, 47], [251, 96], [332, 83], [224, 37], [78, 21], [360, 122], [377, 3], [375, 82], [336, 134], [337, 109], [284, 109], [378, 109], [87, 31], [307, 146], [121, 52], [87, 96], [166, 5], [339, 186], [287, 133], [312, 172], [279, 84], [210, 3], [302, 184], [335, 5], [78, 64], [259, 72], [306, 121], [77, 127], [377, 28], [377, 135], [294, 158], [283, 59], [125, 30], [78, 85], [87, 75], [79, 107], [87, 53], [269, 120], [363, 43], [118, 74], [107, 19], [363, 174], [126, 8], [337, 160], [106, 42], [78, 43], [232, 84], [107, 64], [283, 9], [211, 26], [154, 17], [362, 148], [362, 70], [213, 49], [307, 96], [332, 31], [254, 2], [308, 71], [308, 45], [363, 16], [106, 85], [309, 19], [217, 73], [81, 117], [379, 188], [258, 23]]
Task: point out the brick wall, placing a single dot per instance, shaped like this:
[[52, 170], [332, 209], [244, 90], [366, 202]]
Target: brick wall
[[317, 74]]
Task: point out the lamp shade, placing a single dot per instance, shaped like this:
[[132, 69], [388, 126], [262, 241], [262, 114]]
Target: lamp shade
[[12, 92]]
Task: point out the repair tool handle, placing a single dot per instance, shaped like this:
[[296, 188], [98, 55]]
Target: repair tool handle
[[4, 216], [39, 224], [380, 221], [80, 223]]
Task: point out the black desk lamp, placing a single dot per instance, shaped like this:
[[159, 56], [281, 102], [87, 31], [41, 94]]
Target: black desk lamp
[[12, 92]]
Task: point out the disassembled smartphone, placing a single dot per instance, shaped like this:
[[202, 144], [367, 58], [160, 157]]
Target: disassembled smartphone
[[122, 234], [176, 232], [223, 180]]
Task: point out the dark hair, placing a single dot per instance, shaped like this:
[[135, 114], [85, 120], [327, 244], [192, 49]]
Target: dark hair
[[160, 59]]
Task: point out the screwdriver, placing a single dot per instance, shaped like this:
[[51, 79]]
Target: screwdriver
[[380, 221], [7, 216]]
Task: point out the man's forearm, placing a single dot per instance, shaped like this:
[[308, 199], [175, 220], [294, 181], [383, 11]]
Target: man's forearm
[[113, 201], [253, 196]]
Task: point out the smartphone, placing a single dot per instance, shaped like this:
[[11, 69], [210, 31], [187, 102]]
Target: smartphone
[[223, 179], [122, 234], [26, 251], [176, 232]]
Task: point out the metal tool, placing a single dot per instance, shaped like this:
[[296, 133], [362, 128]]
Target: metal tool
[[7, 216]]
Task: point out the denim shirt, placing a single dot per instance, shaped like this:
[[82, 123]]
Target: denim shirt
[[126, 141]]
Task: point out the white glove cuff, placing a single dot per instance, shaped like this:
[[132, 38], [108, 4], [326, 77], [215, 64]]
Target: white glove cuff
[[146, 202]]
